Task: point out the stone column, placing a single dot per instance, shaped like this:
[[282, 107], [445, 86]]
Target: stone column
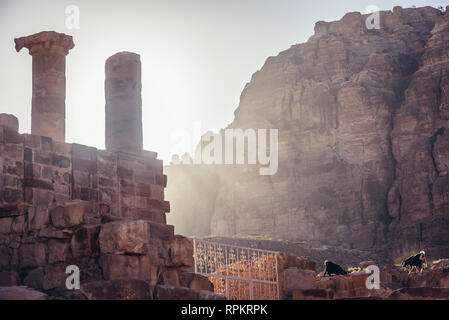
[[123, 88], [48, 49]]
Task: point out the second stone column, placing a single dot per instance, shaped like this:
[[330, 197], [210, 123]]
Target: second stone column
[[123, 88]]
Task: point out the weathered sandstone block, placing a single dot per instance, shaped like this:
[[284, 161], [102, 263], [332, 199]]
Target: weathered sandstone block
[[159, 230], [180, 252], [295, 278], [32, 255], [195, 281], [46, 277], [85, 241], [58, 250], [69, 215], [117, 267], [124, 237]]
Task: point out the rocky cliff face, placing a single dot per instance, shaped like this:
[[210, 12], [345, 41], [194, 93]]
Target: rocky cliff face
[[363, 142]]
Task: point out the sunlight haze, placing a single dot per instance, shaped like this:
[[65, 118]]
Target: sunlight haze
[[196, 57]]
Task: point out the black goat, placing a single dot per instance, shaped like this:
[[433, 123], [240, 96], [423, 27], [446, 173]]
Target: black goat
[[415, 262], [333, 268]]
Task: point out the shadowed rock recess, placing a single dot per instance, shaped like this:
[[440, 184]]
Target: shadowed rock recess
[[363, 142]]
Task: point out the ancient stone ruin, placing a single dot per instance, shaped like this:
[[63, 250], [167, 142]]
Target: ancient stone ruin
[[363, 172], [67, 204]]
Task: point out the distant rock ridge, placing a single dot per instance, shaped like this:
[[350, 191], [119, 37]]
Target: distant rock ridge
[[363, 142]]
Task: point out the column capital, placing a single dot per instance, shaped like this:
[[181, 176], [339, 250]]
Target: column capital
[[45, 41]]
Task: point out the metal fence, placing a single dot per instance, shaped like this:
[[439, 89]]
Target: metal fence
[[239, 273]]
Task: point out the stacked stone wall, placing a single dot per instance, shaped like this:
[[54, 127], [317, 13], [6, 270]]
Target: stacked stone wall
[[67, 204]]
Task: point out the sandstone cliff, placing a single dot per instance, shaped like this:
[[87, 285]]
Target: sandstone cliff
[[363, 142]]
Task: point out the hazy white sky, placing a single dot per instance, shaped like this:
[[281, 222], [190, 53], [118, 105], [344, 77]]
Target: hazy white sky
[[196, 56]]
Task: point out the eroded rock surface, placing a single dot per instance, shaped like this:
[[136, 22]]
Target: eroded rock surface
[[363, 161]]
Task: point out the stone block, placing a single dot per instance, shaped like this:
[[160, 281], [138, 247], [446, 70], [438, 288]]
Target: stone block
[[10, 135], [296, 278], [6, 225], [107, 183], [14, 210], [137, 213], [42, 158], [11, 196], [32, 255], [169, 277], [70, 215], [149, 154], [158, 230], [83, 152], [5, 258], [88, 166], [127, 187], [180, 252], [39, 217], [156, 192], [161, 179], [32, 170], [157, 251], [58, 250], [18, 224], [60, 161], [85, 194], [84, 241], [38, 196], [46, 144], [53, 233], [158, 205], [117, 267], [195, 281], [124, 237], [142, 189], [37, 183], [32, 141], [62, 148], [145, 176], [124, 173], [46, 277], [155, 165]]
